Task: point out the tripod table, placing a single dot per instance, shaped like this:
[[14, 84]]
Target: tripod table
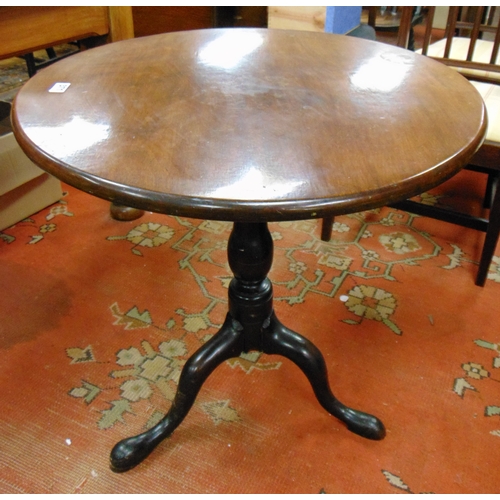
[[249, 126]]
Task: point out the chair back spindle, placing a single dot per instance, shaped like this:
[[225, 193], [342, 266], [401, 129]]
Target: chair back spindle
[[469, 44]]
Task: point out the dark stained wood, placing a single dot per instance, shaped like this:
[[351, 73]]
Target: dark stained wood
[[326, 227], [150, 20], [250, 325], [405, 27], [428, 29], [163, 19], [250, 124], [241, 16], [119, 212]]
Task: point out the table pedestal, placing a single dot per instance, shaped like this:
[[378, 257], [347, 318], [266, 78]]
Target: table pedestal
[[250, 325]]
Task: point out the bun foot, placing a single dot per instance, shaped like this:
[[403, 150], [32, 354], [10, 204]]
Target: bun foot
[[122, 213]]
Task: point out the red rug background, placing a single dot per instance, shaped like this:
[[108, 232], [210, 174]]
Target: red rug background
[[99, 316]]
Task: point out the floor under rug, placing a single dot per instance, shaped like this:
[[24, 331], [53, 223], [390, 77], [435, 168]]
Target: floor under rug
[[99, 317]]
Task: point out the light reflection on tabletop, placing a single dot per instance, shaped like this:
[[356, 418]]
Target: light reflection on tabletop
[[381, 74], [247, 117], [257, 187], [70, 138], [229, 49]]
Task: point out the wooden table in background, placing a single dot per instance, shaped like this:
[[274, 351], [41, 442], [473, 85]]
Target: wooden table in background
[[249, 126]]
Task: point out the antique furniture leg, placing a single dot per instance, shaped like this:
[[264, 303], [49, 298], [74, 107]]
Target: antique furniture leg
[[224, 345], [309, 359], [250, 325], [491, 240], [326, 228], [120, 212], [250, 252]]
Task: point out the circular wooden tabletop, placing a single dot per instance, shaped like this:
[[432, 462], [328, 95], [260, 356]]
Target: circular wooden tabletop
[[250, 124]]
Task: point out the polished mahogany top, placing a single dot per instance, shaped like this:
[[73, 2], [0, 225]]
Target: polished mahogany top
[[250, 124]]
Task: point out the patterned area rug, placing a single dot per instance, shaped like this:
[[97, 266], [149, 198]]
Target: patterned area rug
[[14, 71], [100, 316]]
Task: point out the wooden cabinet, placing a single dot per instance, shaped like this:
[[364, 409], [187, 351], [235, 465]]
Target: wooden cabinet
[[155, 20]]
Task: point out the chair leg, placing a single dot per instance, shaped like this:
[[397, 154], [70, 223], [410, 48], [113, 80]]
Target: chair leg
[[491, 187], [30, 64], [326, 228], [490, 241]]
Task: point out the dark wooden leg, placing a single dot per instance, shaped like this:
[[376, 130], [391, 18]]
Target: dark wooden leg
[[491, 188], [30, 64], [224, 345], [310, 360], [122, 213], [250, 303], [250, 325], [491, 240], [326, 228]]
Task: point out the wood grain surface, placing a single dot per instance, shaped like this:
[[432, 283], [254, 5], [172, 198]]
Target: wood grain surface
[[250, 124]]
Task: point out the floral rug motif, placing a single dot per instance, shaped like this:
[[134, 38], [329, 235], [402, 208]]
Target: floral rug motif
[[104, 314]]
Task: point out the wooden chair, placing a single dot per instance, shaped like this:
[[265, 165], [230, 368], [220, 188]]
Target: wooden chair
[[470, 45]]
